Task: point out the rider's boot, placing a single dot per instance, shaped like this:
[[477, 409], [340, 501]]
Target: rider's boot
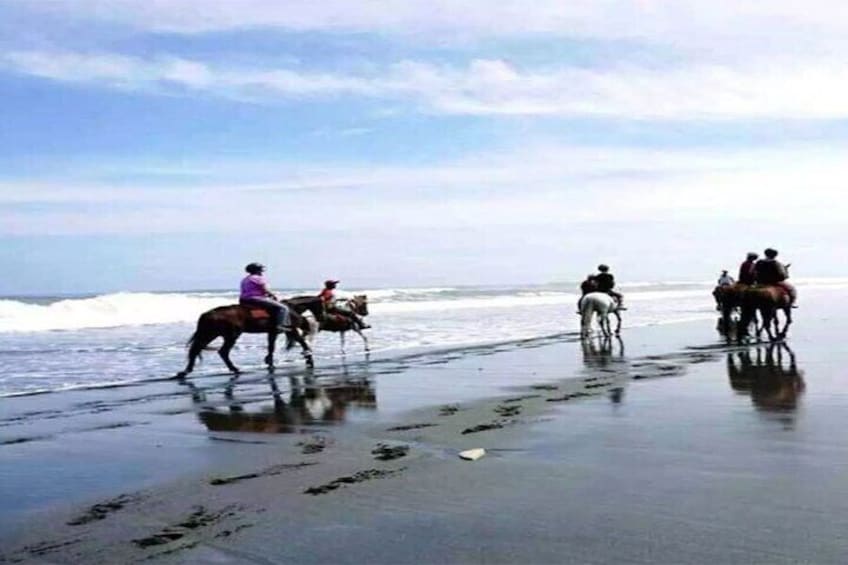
[[361, 323]]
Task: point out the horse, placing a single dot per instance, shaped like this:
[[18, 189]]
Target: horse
[[334, 322], [767, 300], [603, 305], [229, 322], [729, 299]]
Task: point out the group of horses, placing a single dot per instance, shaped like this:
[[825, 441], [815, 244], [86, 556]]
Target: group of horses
[[750, 301], [230, 322], [741, 307], [308, 316]]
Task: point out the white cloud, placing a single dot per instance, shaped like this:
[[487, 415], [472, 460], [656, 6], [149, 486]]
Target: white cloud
[[787, 89], [534, 187], [658, 20]]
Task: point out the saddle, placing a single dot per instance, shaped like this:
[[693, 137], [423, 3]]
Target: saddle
[[336, 318], [256, 313]]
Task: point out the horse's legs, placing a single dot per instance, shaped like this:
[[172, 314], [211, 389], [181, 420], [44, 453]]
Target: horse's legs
[[603, 320], [307, 351], [586, 319], [314, 328], [198, 342], [342, 340], [618, 323], [272, 344], [768, 322], [788, 313], [364, 339], [224, 352], [726, 316]]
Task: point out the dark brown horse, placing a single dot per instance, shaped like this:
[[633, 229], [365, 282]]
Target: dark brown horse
[[767, 300], [339, 323], [229, 322], [729, 300]]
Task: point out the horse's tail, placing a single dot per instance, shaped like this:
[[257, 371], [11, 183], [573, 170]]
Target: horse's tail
[[201, 337], [195, 346]]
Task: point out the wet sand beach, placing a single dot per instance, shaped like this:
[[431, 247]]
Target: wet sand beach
[[667, 446]]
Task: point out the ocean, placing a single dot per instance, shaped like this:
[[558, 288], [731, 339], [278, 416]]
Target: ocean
[[49, 344]]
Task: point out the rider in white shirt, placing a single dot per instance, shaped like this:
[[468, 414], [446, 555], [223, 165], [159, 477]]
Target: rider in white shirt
[[725, 279]]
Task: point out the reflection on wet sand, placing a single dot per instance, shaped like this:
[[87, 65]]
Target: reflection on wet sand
[[770, 375], [600, 352], [308, 402], [606, 355]]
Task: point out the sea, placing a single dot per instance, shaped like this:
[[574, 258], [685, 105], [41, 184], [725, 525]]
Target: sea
[[51, 344]]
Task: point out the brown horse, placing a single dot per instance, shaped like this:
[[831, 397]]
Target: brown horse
[[229, 322], [729, 299], [767, 300], [335, 322]]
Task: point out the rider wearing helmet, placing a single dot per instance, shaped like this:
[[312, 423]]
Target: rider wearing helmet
[[605, 282], [328, 297], [255, 292], [770, 271], [747, 270]]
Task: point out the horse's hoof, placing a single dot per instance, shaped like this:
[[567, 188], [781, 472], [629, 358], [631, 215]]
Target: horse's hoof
[[271, 369], [180, 375]]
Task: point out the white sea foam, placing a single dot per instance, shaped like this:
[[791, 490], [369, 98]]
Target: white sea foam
[[144, 308], [109, 310]]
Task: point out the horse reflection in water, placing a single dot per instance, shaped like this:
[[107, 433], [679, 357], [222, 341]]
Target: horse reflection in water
[[307, 403], [770, 375], [603, 357]]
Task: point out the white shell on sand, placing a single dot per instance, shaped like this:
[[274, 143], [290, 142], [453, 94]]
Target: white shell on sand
[[472, 454]]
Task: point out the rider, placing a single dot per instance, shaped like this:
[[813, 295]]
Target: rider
[[724, 280], [747, 270], [587, 286], [770, 271], [331, 305], [605, 282], [255, 292]]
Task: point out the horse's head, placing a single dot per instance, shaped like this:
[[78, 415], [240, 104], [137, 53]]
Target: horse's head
[[359, 304], [301, 304]]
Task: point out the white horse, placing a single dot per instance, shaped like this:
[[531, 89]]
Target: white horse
[[603, 305]]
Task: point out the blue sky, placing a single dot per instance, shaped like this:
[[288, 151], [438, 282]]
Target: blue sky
[[162, 145]]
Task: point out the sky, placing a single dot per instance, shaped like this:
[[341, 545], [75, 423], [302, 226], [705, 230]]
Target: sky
[[163, 144]]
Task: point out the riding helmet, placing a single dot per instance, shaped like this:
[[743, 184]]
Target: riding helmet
[[770, 253], [603, 268], [330, 283], [255, 268], [752, 255]]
